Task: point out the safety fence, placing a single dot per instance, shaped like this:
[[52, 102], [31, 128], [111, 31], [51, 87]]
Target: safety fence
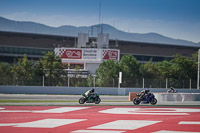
[[112, 82]]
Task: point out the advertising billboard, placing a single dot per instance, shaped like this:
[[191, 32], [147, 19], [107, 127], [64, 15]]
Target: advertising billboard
[[70, 53], [87, 54], [110, 54], [90, 54]]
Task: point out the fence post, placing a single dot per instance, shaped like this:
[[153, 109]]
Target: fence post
[[113, 82], [190, 84], [43, 81], [68, 81], [94, 81], [166, 83], [143, 82]]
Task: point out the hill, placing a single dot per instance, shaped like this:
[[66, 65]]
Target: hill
[[32, 27]]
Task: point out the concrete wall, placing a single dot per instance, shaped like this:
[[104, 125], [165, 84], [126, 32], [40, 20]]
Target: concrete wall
[[79, 90], [181, 97]]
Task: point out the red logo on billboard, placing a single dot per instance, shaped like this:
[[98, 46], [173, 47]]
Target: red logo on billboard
[[110, 55], [71, 54]]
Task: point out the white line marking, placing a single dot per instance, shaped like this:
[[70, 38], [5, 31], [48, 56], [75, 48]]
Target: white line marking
[[61, 110], [125, 124], [55, 110], [15, 111], [164, 131], [189, 122], [49, 123], [147, 111], [4, 125], [96, 131]]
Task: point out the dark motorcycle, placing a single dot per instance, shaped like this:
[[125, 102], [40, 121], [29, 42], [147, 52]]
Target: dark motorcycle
[[94, 98], [172, 91], [150, 98]]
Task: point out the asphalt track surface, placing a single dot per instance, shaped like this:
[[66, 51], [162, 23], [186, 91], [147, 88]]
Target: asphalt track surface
[[72, 100], [99, 119], [115, 114]]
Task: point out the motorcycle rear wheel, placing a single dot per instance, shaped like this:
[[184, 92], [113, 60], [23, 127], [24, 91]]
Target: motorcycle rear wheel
[[97, 100], [82, 100], [153, 101], [136, 101]]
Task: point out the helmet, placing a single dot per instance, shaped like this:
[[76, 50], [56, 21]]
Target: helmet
[[92, 90], [146, 90]]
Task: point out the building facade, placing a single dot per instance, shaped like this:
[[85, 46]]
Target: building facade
[[14, 45]]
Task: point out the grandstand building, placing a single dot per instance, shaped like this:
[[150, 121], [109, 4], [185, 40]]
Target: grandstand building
[[14, 45]]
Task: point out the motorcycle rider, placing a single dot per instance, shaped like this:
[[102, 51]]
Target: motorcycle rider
[[143, 93], [90, 94], [171, 90]]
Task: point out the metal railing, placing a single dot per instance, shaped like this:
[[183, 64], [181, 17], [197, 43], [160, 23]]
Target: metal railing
[[93, 82]]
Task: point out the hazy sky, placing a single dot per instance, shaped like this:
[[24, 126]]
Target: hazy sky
[[179, 19]]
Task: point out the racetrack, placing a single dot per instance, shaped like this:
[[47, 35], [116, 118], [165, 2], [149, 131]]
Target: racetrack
[[27, 99], [99, 119], [58, 97], [115, 114]]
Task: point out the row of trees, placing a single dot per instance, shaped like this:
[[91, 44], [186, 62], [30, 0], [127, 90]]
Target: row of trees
[[50, 71], [27, 72], [176, 71]]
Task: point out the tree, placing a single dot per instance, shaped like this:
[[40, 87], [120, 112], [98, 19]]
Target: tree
[[183, 67], [90, 80], [195, 61], [149, 69], [107, 71], [6, 75], [164, 69], [51, 67], [151, 74], [130, 71], [23, 71], [129, 66]]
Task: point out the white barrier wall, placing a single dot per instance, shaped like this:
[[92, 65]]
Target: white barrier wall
[[178, 97], [160, 94]]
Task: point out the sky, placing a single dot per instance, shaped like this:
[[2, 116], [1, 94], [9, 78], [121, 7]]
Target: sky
[[178, 19]]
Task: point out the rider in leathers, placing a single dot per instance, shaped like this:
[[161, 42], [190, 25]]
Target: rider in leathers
[[90, 94], [143, 93]]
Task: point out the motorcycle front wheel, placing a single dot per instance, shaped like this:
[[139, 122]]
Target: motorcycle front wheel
[[136, 101], [97, 100], [82, 100], [153, 101]]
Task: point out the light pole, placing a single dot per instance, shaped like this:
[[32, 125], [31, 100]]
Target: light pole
[[198, 69]]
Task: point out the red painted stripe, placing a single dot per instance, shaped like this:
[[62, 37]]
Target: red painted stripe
[[95, 119]]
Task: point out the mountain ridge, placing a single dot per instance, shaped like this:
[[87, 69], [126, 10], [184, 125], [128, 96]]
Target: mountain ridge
[[69, 30]]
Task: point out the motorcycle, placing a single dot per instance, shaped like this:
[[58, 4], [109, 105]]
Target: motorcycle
[[172, 91], [150, 98], [91, 99]]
